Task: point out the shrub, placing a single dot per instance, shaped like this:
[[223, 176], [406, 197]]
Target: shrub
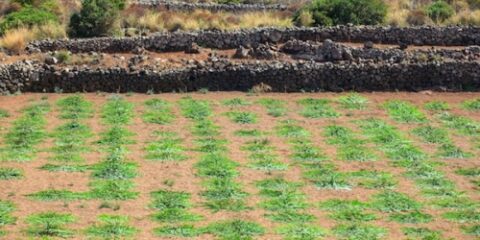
[[440, 11], [16, 40], [336, 12], [417, 18], [96, 18], [27, 17]]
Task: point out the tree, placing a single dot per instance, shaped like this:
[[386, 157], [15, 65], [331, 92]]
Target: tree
[[96, 18]]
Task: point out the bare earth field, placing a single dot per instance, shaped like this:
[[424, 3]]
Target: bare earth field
[[232, 165]]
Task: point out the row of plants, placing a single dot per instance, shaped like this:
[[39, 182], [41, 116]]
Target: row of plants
[[6, 218]]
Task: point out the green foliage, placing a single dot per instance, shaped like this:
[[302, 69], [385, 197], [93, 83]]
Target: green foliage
[[437, 106], [411, 217], [242, 117], [236, 102], [248, 133], [373, 179], [421, 233], [158, 111], [342, 12], [290, 129], [406, 112], [117, 110], [114, 167], [112, 227], [359, 232], [462, 124], [177, 231], [452, 151], [195, 109], [340, 204], [96, 18], [470, 172], [75, 107], [317, 108], [275, 108], [57, 195], [439, 11], [26, 17], [10, 173], [112, 190], [353, 101], [167, 148], [6, 209], [235, 229], [472, 105], [432, 134], [472, 230], [463, 216], [301, 232], [390, 201], [262, 156], [352, 215], [327, 177], [50, 224], [350, 148], [4, 113], [172, 207], [70, 141]]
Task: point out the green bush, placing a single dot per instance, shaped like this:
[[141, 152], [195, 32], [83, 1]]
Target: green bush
[[26, 17], [440, 11], [96, 18], [338, 12]]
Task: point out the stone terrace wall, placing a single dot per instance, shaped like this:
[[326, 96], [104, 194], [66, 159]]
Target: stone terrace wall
[[180, 41], [226, 76], [184, 6]]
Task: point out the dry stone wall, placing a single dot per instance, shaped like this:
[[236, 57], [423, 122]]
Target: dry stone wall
[[181, 41], [224, 75]]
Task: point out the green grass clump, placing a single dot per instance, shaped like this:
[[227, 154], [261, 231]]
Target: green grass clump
[[317, 108], [116, 137], [290, 129], [235, 229], [242, 117], [117, 111], [26, 133], [10, 173], [434, 135], [303, 151], [353, 101], [373, 179], [406, 112], [172, 207], [421, 233], [75, 107], [452, 151], [4, 113], [70, 141], [167, 148], [260, 152], [473, 230], [158, 111], [114, 167], [248, 133], [359, 232], [350, 148], [112, 190], [50, 224], [327, 177], [205, 128], [184, 231], [112, 227], [65, 168], [275, 107], [463, 216], [301, 232], [57, 195], [437, 106], [352, 215], [6, 209], [340, 204], [390, 201], [236, 102], [195, 109], [411, 217], [469, 172], [463, 125], [472, 105]]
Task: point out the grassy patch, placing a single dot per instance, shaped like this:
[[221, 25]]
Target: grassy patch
[[406, 112], [4, 113], [473, 230], [260, 153], [248, 133], [463, 125], [184, 231], [390, 201], [317, 108], [373, 179], [350, 148], [57, 195], [10, 173], [359, 232], [301, 232], [469, 172], [327, 177], [70, 141], [158, 111], [414, 217], [275, 107], [172, 207], [6, 209], [242, 117], [50, 224], [353, 101], [65, 168], [303, 151], [236, 102], [434, 135], [472, 105], [437, 106], [112, 227], [112, 190], [117, 111], [75, 107], [167, 148], [463, 216], [195, 109], [235, 229], [421, 233], [290, 129]]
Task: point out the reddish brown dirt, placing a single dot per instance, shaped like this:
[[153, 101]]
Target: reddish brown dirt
[[152, 174]]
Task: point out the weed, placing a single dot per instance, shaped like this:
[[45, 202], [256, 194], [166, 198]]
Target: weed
[[452, 151], [10, 173], [112, 190], [248, 133], [275, 108], [117, 111], [402, 111], [114, 168], [195, 109], [112, 227], [50, 224], [205, 128], [260, 154], [65, 168], [172, 206], [464, 125], [6, 209], [70, 140], [290, 129], [432, 135], [317, 108], [242, 117], [390, 201], [472, 105], [469, 172], [115, 137], [301, 232], [158, 111], [473, 230], [305, 152], [353, 101], [421, 233], [177, 231], [340, 204], [235, 229], [437, 106], [352, 215], [373, 179], [327, 178], [350, 148], [166, 149], [236, 102], [4, 113], [463, 216], [359, 232], [75, 107], [411, 217], [57, 195]]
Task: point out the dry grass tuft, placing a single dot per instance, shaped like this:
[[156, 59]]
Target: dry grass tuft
[[16, 40]]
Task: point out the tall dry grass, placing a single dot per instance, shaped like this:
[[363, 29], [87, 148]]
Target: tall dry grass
[[16, 40]]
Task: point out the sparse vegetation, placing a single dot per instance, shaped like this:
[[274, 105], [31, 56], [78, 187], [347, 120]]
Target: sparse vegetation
[[158, 111], [353, 101], [10, 173], [235, 229], [50, 224], [111, 227], [404, 112], [317, 108]]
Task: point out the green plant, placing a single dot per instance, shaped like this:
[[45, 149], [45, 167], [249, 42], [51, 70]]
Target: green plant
[[74, 107], [341, 12], [27, 17], [6, 209], [390, 201], [167, 148], [472, 230], [350, 148], [359, 232], [112, 227], [50, 224], [236, 102], [275, 108], [290, 129], [195, 109], [439, 11], [437, 106], [472, 105], [96, 18], [411, 217], [242, 117], [463, 216], [301, 232], [352, 215], [172, 207], [470, 172], [353, 101], [235, 229], [421, 233], [10, 173], [432, 134], [112, 190], [248, 133], [464, 125], [340, 204], [404, 112], [373, 179], [4, 113], [57, 195], [177, 231], [317, 108], [117, 110], [158, 111]]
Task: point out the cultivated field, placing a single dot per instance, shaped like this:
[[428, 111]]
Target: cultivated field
[[240, 166]]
